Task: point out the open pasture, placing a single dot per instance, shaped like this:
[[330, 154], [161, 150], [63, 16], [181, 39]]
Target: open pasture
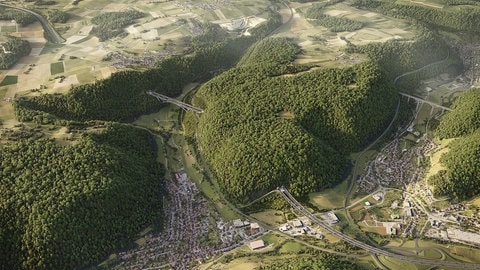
[[322, 47], [441, 89], [331, 198]]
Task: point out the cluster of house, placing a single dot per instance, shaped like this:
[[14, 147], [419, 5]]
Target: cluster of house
[[180, 245], [217, 4], [149, 59], [394, 164]]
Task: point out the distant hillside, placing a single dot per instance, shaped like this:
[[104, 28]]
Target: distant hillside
[[463, 17], [461, 178], [123, 95]]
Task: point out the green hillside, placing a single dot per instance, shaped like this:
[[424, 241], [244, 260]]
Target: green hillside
[[268, 123], [67, 207], [461, 178], [464, 119]]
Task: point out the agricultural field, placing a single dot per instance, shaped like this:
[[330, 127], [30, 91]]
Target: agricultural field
[[82, 58], [165, 30], [322, 47]]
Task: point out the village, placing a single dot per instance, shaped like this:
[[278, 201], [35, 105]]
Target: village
[[189, 237], [397, 168]]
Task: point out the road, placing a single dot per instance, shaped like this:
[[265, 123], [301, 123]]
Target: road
[[183, 105], [372, 250], [425, 101], [47, 27], [420, 69]]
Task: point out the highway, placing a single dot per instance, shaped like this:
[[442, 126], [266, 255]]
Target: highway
[[425, 101], [373, 250], [180, 104], [47, 27]]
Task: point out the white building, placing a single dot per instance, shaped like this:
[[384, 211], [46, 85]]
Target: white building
[[297, 223]]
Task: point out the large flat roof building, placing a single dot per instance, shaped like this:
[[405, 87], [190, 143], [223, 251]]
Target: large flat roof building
[[254, 245]]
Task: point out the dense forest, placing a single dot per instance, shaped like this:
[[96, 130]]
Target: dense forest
[[322, 261], [262, 129], [56, 16], [13, 49], [21, 17], [464, 119], [459, 18], [111, 24], [461, 177], [123, 95], [64, 207]]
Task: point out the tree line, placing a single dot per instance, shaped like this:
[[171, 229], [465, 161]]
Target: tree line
[[321, 261], [333, 23], [21, 17], [397, 57]]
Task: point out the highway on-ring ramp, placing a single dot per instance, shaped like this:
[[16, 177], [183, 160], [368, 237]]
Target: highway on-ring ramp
[[47, 26], [373, 250]]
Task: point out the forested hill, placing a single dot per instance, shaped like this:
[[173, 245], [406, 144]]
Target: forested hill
[[262, 129], [461, 177], [66, 207], [465, 117]]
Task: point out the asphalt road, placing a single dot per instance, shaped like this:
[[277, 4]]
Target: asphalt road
[[53, 35], [373, 250]]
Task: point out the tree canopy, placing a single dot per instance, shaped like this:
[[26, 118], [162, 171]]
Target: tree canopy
[[263, 129], [461, 177], [12, 51], [460, 18], [334, 24], [321, 261], [64, 207], [464, 119], [111, 24], [21, 17], [123, 95]]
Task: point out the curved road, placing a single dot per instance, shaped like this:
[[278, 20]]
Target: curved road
[[373, 250], [51, 32]]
